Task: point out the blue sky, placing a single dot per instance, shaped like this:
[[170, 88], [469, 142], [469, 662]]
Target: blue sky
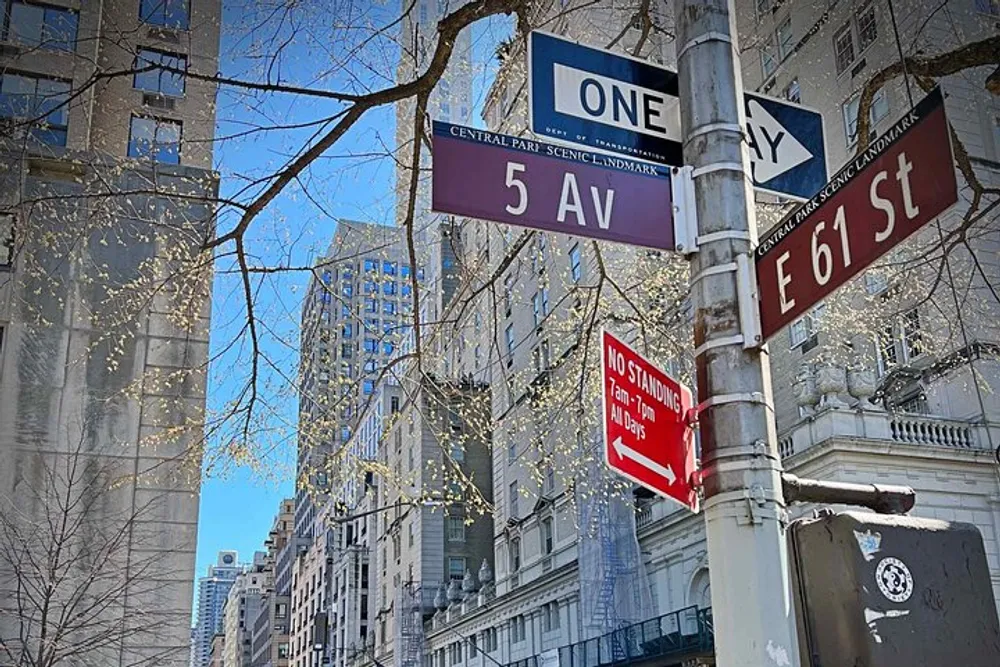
[[238, 502]]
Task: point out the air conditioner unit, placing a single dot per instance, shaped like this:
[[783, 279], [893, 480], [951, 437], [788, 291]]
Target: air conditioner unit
[[165, 34], [156, 101]]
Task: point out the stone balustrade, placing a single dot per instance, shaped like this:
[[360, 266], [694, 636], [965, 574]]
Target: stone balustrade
[[910, 429]]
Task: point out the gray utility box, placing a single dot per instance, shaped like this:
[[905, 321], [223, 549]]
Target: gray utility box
[[875, 590]]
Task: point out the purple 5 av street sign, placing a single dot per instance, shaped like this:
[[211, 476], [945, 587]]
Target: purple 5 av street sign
[[519, 181]]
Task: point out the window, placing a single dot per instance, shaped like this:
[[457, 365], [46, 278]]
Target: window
[[575, 265], [345, 350], [768, 63], [347, 289], [490, 642], [550, 616], [389, 268], [42, 26], [545, 301], [155, 138], [455, 653], [371, 287], [389, 288], [785, 38], [879, 110], [456, 568], [167, 13], [763, 7], [508, 291], [509, 338], [912, 339], [371, 305], [368, 386], [371, 345], [456, 529], [345, 310], [404, 271], [843, 48], [393, 404], [388, 347], [156, 79], [861, 30], [991, 7], [547, 535], [805, 327], [875, 283], [512, 499], [548, 477], [6, 240], [511, 449], [792, 91], [39, 100], [406, 290], [371, 264], [867, 25], [389, 307], [517, 629], [346, 330], [371, 366]]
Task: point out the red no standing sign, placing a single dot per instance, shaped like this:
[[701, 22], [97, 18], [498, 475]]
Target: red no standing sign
[[646, 435]]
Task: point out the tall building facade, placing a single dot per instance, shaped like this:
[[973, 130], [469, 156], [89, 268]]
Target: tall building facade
[[106, 194], [905, 418], [269, 628], [213, 590], [245, 601], [354, 317]]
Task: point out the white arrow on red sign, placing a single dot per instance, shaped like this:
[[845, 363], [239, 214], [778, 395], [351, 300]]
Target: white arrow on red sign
[[647, 434], [624, 451]]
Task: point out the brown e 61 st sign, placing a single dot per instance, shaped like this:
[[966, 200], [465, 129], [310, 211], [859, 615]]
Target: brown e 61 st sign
[[902, 181]]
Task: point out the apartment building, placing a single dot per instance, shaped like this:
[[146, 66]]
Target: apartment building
[[269, 628], [354, 317], [545, 610], [433, 534], [246, 599], [90, 232], [931, 362], [213, 590], [309, 595]]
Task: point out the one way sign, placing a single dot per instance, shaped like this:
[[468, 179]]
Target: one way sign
[[787, 147], [613, 103]]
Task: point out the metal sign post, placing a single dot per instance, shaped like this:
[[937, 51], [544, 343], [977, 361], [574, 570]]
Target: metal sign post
[[744, 509]]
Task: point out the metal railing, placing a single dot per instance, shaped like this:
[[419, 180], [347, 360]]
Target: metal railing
[[683, 632]]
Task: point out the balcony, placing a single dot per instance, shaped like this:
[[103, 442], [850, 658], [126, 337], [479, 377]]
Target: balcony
[[664, 640], [877, 425]]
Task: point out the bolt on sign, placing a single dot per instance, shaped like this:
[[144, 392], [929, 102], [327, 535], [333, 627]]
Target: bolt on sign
[[647, 437], [902, 181]]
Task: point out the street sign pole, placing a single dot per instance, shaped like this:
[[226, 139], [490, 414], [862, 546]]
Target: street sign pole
[[744, 509]]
